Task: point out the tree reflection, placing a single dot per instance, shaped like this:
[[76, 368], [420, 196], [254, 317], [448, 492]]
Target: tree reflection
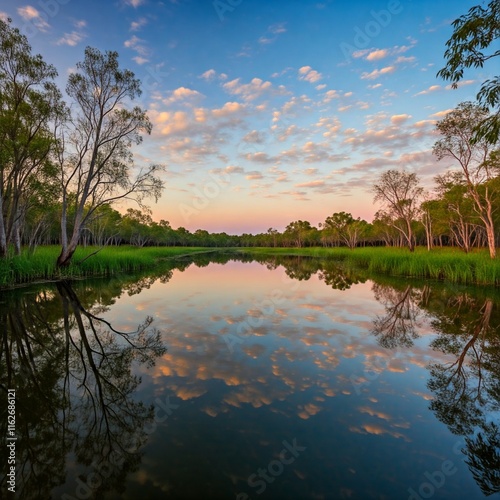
[[334, 274], [398, 326], [467, 389], [72, 372]]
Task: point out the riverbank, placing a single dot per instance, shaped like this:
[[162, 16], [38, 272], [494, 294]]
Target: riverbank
[[41, 265], [446, 264]]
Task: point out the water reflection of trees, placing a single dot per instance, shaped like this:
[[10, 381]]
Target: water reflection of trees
[[467, 388], [398, 326], [333, 273], [72, 372]]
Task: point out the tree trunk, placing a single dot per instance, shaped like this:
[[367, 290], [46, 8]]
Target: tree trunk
[[3, 236], [491, 240], [64, 259]]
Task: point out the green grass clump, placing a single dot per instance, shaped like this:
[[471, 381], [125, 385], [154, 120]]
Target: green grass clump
[[41, 264]]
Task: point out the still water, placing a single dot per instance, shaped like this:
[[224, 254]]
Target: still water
[[228, 377]]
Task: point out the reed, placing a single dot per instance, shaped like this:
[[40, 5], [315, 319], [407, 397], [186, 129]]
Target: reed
[[41, 264], [446, 264]]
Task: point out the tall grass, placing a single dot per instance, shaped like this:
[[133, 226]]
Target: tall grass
[[441, 264], [445, 264], [41, 264]]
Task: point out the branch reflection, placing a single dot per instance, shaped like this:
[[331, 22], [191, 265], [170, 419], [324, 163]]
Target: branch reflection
[[72, 371]]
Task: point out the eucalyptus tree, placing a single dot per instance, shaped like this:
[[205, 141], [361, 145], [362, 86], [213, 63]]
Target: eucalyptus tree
[[30, 105], [457, 208], [399, 193], [95, 157], [299, 232], [472, 44], [346, 228], [478, 160]]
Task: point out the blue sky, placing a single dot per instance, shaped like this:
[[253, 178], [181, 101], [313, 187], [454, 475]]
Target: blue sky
[[266, 112]]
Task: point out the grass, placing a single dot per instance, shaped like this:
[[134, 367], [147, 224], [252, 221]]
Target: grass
[[447, 264], [41, 265]]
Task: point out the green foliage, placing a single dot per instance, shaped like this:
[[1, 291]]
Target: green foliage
[[473, 34]]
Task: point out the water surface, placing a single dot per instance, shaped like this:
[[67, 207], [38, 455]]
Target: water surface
[[236, 378]]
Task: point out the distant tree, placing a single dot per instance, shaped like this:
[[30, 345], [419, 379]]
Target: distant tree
[[136, 227], [273, 234], [400, 193], [473, 33], [96, 159], [346, 228], [298, 232], [478, 160]]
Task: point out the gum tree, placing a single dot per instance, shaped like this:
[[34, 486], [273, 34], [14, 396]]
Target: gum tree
[[399, 193], [471, 45], [478, 159], [96, 160]]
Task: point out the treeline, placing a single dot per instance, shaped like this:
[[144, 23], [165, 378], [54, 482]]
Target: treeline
[[460, 227]]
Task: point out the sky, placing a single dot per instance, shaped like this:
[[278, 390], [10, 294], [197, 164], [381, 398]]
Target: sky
[[265, 111]]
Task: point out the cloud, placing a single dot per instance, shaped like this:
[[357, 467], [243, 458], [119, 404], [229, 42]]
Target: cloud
[[134, 3], [136, 44], [309, 75], [4, 16], [398, 119], [442, 113], [29, 13], [254, 137], [253, 90], [137, 25], [182, 94], [375, 55], [140, 60], [252, 176], [432, 88], [311, 184], [404, 59], [463, 83], [329, 95], [376, 73], [71, 39], [276, 30], [229, 108], [208, 75]]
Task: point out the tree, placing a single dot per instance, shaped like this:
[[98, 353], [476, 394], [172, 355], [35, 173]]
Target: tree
[[346, 228], [458, 208], [98, 168], [400, 193], [473, 33], [298, 232], [478, 160], [29, 103]]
